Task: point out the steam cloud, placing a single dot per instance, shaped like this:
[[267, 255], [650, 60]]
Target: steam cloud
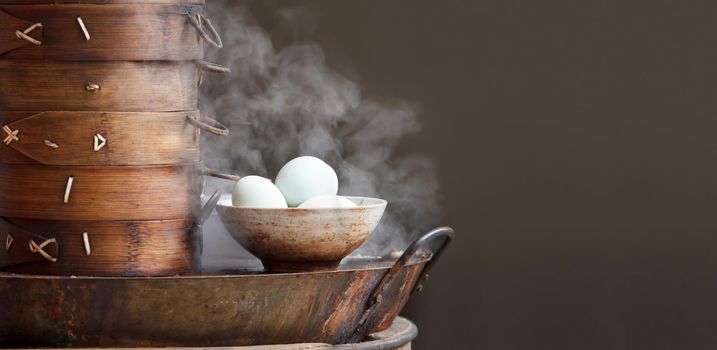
[[282, 103]]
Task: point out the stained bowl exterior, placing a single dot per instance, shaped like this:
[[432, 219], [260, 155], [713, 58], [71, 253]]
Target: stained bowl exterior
[[302, 239]]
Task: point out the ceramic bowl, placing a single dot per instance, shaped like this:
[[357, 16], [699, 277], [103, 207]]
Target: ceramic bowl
[[298, 239]]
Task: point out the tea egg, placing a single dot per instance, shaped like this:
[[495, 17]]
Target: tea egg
[[304, 178], [257, 192], [328, 201]]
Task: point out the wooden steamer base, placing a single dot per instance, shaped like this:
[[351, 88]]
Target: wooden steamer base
[[100, 248]]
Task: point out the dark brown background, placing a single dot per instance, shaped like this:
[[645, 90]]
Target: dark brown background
[[576, 145]]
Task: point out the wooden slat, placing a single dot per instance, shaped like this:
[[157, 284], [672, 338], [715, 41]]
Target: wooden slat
[[130, 138], [116, 248], [123, 86], [99, 193], [140, 32]]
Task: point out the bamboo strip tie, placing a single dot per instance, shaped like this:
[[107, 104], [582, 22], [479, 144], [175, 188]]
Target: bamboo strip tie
[[51, 144], [23, 34], [100, 141], [39, 249], [11, 135]]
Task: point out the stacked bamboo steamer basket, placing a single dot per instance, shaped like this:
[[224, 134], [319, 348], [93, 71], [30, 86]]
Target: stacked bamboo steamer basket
[[100, 172]]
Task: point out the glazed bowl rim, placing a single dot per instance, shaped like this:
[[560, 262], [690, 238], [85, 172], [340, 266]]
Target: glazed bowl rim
[[226, 200]]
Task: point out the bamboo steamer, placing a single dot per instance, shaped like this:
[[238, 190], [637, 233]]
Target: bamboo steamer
[[100, 193], [155, 86], [99, 248], [103, 138], [114, 31], [99, 167]]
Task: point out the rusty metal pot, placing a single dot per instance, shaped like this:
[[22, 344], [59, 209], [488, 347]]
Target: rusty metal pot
[[219, 308]]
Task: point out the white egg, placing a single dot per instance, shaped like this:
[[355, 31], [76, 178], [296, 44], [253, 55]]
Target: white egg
[[328, 201], [257, 192], [304, 178]]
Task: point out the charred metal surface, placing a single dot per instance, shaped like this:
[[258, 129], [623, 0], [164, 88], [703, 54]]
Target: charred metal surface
[[234, 308], [46, 311], [383, 304]]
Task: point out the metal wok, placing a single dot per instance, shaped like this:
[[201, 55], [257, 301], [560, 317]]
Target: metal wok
[[216, 308]]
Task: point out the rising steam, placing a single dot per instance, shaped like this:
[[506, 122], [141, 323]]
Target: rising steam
[[282, 103]]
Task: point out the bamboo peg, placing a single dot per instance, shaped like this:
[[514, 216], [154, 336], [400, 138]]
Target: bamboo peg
[[84, 29], [68, 188], [86, 239], [8, 242]]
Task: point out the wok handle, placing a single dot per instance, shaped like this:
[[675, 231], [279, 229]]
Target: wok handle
[[208, 207], [212, 67], [446, 233], [220, 175], [209, 125], [199, 23], [421, 244], [369, 319]]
